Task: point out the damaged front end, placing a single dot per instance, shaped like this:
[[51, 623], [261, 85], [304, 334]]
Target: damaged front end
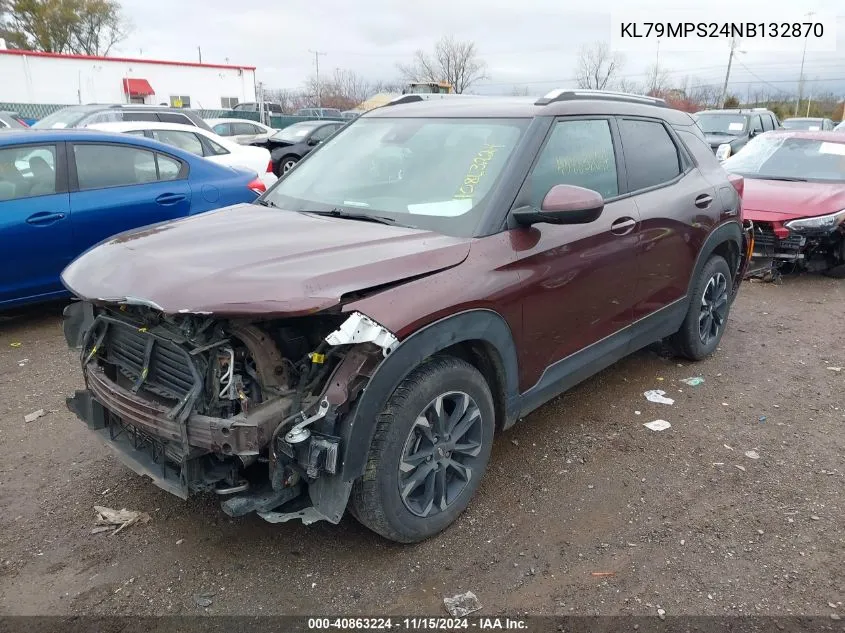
[[249, 410]]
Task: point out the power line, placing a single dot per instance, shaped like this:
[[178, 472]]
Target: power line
[[753, 74]]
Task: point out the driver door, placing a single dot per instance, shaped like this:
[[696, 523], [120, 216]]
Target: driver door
[[579, 279]]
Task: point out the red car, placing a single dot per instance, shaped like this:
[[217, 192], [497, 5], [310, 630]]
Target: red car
[[795, 196]]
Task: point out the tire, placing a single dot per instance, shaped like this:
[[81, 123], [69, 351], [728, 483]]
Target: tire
[[285, 164], [707, 316], [404, 434]]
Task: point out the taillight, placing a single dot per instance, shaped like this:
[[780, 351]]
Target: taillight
[[270, 167], [738, 182], [257, 186]]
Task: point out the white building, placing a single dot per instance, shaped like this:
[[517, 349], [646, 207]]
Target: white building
[[49, 78]]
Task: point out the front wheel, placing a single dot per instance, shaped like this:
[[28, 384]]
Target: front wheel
[[705, 322], [431, 447]]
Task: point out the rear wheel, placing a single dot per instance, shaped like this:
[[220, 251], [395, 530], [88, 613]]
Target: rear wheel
[[430, 449], [710, 303]]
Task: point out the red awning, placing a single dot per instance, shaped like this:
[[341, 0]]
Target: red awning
[[137, 87]]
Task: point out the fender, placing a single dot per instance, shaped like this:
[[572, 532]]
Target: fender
[[728, 232], [485, 325]]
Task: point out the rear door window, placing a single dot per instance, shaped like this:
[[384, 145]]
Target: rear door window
[[99, 166], [767, 123], [651, 157], [139, 116], [187, 141], [174, 117], [243, 129]]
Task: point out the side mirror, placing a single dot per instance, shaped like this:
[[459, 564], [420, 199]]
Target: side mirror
[[563, 204], [753, 133], [312, 141]]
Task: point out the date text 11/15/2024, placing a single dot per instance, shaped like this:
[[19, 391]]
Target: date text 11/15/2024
[[416, 624]]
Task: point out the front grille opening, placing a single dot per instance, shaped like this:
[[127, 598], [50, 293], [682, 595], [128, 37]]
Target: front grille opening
[[169, 373]]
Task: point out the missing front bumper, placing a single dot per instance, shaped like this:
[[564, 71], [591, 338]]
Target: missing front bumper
[[141, 452]]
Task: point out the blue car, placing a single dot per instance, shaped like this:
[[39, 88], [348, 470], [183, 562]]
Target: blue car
[[63, 191]]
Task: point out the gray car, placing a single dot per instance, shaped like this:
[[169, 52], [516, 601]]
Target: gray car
[[242, 131], [84, 115]]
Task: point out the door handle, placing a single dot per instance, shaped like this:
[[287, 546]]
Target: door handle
[[44, 217], [170, 198], [623, 226], [703, 201]]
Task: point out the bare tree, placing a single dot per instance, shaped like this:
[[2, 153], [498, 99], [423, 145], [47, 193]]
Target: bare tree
[[597, 66], [626, 85], [519, 91], [453, 61], [658, 80]]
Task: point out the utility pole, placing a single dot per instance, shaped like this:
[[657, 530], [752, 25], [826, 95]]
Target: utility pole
[[728, 74], [199, 52], [317, 65], [656, 70], [801, 76]]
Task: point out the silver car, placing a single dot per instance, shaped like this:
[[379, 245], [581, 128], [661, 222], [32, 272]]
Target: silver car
[[241, 131]]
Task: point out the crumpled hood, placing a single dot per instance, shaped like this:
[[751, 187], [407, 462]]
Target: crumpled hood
[[780, 201], [250, 259]]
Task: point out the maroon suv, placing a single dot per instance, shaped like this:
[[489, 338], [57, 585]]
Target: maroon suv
[[431, 274]]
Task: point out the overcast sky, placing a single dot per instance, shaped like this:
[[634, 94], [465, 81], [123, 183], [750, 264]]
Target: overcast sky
[[531, 43]]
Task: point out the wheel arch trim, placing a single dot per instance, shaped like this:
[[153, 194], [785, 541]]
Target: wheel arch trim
[[478, 324]]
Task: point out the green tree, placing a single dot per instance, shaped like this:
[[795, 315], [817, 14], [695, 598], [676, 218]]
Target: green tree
[[83, 27]]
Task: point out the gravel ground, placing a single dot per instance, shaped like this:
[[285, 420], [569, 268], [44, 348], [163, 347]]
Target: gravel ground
[[583, 511]]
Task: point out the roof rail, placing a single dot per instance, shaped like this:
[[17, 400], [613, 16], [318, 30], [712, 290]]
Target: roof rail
[[426, 96], [564, 94]]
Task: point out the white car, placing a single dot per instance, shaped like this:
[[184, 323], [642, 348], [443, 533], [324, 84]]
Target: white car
[[200, 142], [241, 131]]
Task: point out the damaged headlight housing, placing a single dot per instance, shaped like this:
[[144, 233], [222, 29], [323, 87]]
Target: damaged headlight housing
[[723, 152], [819, 223]]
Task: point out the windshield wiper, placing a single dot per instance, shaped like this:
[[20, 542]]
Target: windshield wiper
[[266, 203], [785, 178], [341, 213], [720, 133]]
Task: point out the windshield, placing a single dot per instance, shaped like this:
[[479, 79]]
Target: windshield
[[812, 125], [788, 158], [726, 124], [297, 132], [66, 117], [426, 173]]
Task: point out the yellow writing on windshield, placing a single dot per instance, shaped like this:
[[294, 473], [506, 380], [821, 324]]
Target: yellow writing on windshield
[[476, 170]]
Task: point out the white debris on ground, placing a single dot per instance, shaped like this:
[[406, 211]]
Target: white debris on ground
[[658, 396], [462, 605], [752, 454], [32, 417], [117, 520], [657, 425], [693, 382]]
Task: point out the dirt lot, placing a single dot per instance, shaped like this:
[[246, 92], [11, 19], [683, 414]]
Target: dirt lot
[[682, 517]]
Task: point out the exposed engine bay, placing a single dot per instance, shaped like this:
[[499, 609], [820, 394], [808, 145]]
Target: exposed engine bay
[[777, 249], [247, 410]]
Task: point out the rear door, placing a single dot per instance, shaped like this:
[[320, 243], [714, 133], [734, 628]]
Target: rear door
[[117, 187], [35, 223], [677, 207]]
